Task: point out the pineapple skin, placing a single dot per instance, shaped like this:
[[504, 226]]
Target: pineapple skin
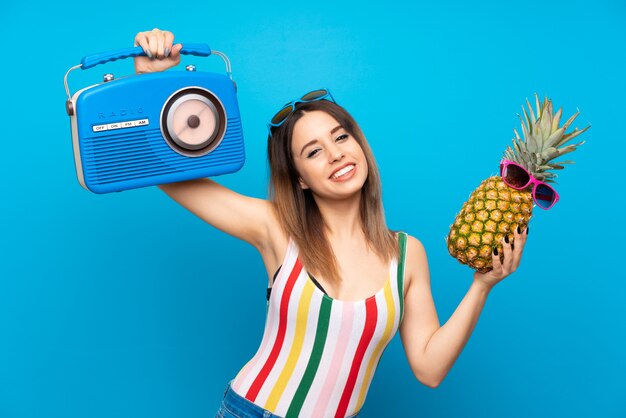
[[492, 211]]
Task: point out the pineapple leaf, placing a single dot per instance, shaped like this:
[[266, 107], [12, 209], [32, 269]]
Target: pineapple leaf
[[522, 124], [549, 175], [549, 153], [526, 126], [548, 110], [531, 143], [544, 126], [569, 148], [556, 167], [571, 136], [570, 120], [556, 120], [530, 110], [555, 138]]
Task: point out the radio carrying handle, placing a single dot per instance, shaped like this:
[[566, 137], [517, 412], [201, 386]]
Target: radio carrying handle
[[89, 61]]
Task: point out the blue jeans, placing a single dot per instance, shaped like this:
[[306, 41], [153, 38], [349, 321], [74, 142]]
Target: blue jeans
[[235, 406]]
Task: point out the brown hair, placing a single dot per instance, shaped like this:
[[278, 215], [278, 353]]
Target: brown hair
[[296, 208]]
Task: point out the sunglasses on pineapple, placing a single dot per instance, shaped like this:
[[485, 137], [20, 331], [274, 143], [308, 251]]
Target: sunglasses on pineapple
[[281, 116], [517, 177]]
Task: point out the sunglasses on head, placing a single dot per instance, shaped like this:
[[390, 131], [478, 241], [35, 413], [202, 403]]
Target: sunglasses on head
[[281, 116], [517, 177]]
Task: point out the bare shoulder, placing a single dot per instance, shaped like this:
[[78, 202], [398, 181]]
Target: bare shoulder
[[416, 263]]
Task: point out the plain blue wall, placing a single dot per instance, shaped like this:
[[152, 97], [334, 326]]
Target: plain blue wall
[[126, 305]]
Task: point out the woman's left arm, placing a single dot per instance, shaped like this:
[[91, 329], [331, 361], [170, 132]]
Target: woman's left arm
[[430, 348]]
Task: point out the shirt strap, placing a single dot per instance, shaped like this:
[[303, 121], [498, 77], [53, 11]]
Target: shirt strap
[[402, 237]]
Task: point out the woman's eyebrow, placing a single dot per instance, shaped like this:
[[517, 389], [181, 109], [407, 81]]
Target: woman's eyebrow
[[306, 145], [313, 141]]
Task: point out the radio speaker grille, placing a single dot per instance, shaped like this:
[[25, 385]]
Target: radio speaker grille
[[131, 156]]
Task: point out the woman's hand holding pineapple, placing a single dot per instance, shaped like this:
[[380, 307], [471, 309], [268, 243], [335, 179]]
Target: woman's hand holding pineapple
[[512, 258]]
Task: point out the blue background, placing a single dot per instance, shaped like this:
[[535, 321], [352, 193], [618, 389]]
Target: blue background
[[127, 305]]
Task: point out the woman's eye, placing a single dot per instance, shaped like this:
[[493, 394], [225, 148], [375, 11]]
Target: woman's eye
[[313, 153], [342, 137]]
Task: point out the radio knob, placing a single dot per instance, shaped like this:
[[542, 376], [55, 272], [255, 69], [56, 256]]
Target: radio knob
[[191, 67], [193, 121], [108, 77]]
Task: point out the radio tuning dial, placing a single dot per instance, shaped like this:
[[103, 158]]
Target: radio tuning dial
[[191, 67], [193, 121], [108, 77]]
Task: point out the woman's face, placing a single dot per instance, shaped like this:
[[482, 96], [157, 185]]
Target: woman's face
[[329, 160]]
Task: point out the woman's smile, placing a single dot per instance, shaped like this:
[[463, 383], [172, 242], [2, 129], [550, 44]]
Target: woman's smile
[[346, 172]]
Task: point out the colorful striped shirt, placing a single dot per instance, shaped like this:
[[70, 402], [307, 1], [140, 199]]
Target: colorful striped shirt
[[318, 355]]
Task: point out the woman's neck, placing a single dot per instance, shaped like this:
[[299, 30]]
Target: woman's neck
[[341, 217]]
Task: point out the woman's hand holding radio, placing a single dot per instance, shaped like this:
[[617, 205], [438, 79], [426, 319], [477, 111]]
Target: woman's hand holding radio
[[243, 217], [161, 54]]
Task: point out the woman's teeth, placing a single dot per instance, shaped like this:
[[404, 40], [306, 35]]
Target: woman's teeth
[[343, 171]]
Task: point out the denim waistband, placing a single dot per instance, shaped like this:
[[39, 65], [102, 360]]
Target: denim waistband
[[240, 406]]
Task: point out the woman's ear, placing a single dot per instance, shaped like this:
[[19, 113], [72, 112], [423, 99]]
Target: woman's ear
[[302, 184]]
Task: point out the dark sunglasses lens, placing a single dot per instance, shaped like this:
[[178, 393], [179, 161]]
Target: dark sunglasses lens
[[544, 196], [314, 95], [281, 115], [515, 176]]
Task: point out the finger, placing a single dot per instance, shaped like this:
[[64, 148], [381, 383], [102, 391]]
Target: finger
[[518, 247], [520, 236], [160, 45], [507, 250], [142, 41], [169, 39], [175, 53], [497, 265], [153, 44]]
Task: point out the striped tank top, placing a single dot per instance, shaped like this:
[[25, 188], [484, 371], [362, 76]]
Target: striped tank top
[[318, 355]]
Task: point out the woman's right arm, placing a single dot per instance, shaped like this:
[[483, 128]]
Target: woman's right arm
[[243, 217]]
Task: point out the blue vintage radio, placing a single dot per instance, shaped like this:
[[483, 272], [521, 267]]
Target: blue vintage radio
[[156, 128]]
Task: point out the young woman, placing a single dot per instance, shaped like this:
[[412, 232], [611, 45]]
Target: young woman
[[341, 283]]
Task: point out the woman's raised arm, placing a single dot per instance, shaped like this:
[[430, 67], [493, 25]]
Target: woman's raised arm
[[243, 217]]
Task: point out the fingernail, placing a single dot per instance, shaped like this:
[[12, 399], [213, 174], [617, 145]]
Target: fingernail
[[149, 54], [167, 52], [506, 239], [527, 230], [495, 250]]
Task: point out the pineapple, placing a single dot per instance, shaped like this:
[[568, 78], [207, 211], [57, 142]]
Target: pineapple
[[495, 209]]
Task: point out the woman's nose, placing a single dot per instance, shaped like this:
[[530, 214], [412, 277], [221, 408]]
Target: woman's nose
[[335, 154]]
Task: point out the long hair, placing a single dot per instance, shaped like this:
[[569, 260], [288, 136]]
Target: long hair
[[296, 208]]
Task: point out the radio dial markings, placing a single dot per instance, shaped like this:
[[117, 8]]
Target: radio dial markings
[[120, 125]]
